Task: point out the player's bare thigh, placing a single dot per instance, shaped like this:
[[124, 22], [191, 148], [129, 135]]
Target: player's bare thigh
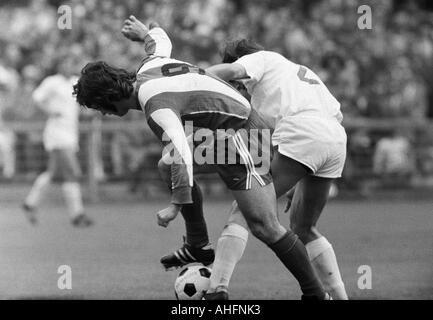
[[309, 199], [286, 172]]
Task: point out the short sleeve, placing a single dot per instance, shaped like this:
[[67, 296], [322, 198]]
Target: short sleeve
[[43, 91], [254, 65]]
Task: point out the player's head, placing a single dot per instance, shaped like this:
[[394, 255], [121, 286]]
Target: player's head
[[106, 89], [234, 49], [67, 66]]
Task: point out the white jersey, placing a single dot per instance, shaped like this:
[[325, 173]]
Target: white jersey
[[280, 88], [305, 115], [54, 97]]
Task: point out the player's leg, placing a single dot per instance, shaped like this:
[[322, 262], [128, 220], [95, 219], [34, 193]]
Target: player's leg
[[31, 202], [197, 246], [36, 192], [309, 199], [67, 173], [39, 188], [232, 243], [229, 250], [258, 206]]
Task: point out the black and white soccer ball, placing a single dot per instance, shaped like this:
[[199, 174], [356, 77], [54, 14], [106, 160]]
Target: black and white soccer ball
[[192, 282]]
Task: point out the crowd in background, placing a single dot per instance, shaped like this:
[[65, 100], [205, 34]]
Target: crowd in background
[[385, 72]]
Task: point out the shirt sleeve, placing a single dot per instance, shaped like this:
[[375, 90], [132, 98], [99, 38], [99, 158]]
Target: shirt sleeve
[[43, 93], [158, 43], [167, 126], [254, 65]]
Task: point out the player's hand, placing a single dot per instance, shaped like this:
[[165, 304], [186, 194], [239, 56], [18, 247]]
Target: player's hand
[[168, 214], [134, 30]]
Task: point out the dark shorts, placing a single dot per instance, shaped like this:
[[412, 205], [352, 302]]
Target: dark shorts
[[63, 165], [243, 156]]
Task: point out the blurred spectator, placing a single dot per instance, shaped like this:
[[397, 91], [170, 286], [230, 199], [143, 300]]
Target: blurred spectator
[[380, 73], [7, 152], [393, 159], [8, 85], [425, 155], [383, 72]]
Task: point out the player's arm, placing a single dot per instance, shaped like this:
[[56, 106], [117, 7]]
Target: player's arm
[[228, 71], [166, 124], [155, 39], [134, 30], [250, 66], [41, 95]]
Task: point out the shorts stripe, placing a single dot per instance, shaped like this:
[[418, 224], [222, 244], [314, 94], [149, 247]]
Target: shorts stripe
[[253, 169], [243, 150], [247, 166], [242, 153]]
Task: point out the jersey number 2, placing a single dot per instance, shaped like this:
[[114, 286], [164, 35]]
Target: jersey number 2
[[301, 75]]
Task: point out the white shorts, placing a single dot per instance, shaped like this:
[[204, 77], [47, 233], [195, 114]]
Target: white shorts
[[318, 143]]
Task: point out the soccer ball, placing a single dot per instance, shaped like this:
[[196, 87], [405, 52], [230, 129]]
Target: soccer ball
[[192, 282]]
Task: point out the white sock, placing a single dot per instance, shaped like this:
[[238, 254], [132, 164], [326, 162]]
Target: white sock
[[324, 261], [39, 187], [72, 194], [230, 248]]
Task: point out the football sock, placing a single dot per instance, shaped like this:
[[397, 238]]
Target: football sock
[[72, 194], [39, 186], [324, 261], [229, 250], [195, 225], [293, 255]]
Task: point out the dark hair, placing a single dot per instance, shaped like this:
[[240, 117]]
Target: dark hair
[[234, 49], [100, 84]]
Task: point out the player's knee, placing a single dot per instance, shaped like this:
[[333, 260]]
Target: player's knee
[[262, 233], [304, 232], [264, 230]]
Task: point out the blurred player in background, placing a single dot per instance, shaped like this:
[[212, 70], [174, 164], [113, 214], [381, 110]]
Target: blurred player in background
[[60, 139], [9, 82]]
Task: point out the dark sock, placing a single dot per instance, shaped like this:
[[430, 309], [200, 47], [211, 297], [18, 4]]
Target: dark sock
[[196, 230], [293, 255]]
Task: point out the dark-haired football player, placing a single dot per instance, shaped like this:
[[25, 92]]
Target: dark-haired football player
[[173, 93]]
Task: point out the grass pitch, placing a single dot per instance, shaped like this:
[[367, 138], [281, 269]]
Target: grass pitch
[[118, 258]]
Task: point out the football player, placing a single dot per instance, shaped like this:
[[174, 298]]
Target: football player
[[171, 93], [60, 139], [310, 145]]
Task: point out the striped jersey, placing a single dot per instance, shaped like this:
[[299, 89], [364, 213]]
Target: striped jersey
[[171, 92]]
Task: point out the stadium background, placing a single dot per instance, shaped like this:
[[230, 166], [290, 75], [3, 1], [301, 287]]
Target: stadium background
[[383, 78]]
